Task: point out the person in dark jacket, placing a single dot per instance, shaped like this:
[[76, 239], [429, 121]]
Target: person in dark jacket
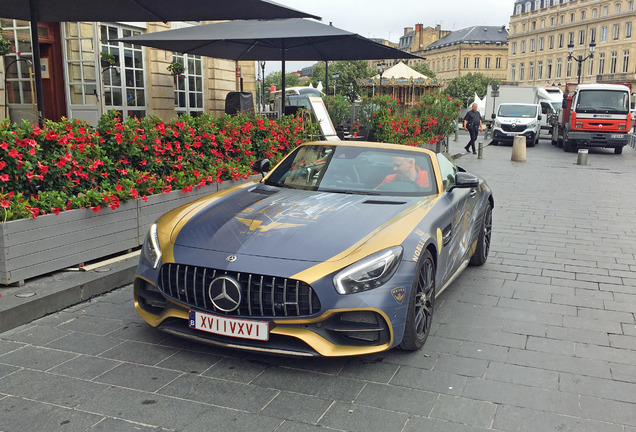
[[473, 125]]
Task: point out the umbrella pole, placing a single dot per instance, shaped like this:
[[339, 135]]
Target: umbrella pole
[[326, 78], [35, 43], [282, 84]]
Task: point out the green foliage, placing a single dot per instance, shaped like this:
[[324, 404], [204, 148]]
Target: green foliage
[[349, 72], [424, 69], [464, 87], [69, 164], [176, 68], [338, 108], [276, 79], [426, 122]]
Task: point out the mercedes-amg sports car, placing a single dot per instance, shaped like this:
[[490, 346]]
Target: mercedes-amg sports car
[[341, 249]]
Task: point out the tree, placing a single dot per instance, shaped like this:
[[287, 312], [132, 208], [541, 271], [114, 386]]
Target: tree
[[423, 69], [275, 79], [465, 87], [348, 71]]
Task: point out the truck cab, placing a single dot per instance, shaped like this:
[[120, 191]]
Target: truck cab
[[515, 119]]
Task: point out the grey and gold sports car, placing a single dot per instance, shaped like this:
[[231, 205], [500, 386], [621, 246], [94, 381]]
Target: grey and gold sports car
[[341, 249]]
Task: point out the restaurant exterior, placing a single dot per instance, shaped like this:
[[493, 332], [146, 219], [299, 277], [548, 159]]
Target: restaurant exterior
[[80, 82]]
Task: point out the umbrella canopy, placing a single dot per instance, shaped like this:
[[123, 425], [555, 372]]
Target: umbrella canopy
[[281, 39], [134, 10], [147, 10]]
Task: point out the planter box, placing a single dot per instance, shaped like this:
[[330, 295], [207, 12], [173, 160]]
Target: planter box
[[34, 247]]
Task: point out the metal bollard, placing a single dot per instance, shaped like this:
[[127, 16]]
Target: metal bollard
[[480, 150], [582, 157], [456, 130]]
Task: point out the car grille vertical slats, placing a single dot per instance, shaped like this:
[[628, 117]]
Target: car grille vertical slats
[[261, 295]]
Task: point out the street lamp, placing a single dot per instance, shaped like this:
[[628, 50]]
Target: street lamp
[[580, 58], [262, 64], [335, 77], [381, 67]]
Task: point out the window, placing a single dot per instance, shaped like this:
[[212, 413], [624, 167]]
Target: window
[[487, 63], [541, 44], [628, 29], [454, 63], [618, 8], [601, 63], [124, 91], [518, 9], [562, 19], [558, 68], [625, 61], [537, 4], [603, 33], [521, 71], [552, 22], [513, 48], [542, 23], [530, 71], [534, 25], [612, 69], [548, 69], [551, 42], [523, 47], [512, 72], [581, 37], [616, 31], [532, 43], [561, 40], [17, 78], [630, 5], [568, 68], [465, 62], [188, 93], [572, 17], [476, 62], [498, 63], [528, 7], [539, 70], [593, 34], [594, 13], [605, 11], [571, 38], [582, 15], [590, 66]]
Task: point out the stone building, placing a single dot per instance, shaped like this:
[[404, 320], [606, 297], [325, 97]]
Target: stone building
[[541, 30], [478, 49], [77, 85]]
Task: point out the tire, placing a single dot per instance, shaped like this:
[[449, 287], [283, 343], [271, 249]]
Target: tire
[[483, 241], [420, 309], [567, 146], [618, 150]]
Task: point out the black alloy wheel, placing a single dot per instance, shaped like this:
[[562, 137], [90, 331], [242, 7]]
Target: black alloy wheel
[[483, 242], [421, 301]]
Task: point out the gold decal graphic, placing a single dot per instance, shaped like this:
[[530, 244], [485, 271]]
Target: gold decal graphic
[[399, 294], [257, 225]]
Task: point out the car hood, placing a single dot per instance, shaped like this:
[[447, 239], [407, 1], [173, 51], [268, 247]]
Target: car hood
[[287, 223]]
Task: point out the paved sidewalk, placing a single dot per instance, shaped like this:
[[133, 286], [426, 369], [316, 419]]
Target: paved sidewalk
[[542, 337]]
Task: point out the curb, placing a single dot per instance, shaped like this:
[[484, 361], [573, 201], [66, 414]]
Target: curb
[[52, 293]]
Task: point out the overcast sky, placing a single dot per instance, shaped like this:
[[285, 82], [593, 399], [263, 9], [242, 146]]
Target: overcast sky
[[386, 19]]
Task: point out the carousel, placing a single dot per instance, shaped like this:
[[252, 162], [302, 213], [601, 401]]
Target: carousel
[[399, 81]]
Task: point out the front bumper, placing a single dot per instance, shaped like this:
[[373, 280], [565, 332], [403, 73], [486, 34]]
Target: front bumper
[[599, 139], [501, 136]]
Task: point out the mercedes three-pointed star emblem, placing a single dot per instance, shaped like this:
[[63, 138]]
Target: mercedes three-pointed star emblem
[[225, 293]]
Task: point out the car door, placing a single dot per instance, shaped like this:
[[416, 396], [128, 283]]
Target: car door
[[456, 221]]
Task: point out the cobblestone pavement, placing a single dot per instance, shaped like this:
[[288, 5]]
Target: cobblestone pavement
[[541, 338]]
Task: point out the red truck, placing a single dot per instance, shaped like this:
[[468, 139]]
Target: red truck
[[593, 115]]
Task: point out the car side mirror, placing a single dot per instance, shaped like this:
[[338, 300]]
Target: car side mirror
[[493, 116], [539, 118], [464, 180], [261, 166]]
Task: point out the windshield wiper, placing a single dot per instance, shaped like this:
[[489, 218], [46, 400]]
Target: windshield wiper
[[350, 192]]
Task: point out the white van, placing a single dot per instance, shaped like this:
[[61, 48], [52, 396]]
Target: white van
[[513, 119]]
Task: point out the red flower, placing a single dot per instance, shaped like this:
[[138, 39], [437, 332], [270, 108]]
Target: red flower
[[5, 204]]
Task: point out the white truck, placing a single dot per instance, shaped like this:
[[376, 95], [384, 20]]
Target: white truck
[[517, 119], [549, 98]]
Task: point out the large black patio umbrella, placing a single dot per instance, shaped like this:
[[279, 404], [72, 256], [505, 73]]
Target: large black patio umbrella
[[134, 10], [281, 39]]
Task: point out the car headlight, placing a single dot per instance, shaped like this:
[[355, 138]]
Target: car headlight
[[497, 124], [151, 250], [368, 273]]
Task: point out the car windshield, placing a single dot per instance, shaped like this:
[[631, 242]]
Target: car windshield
[[356, 170], [603, 100], [523, 111]]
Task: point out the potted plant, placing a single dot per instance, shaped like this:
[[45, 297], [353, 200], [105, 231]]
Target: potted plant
[[5, 45], [176, 68], [107, 59]]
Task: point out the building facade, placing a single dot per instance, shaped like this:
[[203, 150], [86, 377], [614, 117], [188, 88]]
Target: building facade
[[478, 49], [541, 30], [77, 84]]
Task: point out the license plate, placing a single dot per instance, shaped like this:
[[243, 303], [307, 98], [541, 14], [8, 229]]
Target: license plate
[[617, 136], [512, 134], [238, 328]]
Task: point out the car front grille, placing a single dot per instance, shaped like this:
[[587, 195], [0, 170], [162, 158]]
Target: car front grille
[[261, 295], [513, 128]]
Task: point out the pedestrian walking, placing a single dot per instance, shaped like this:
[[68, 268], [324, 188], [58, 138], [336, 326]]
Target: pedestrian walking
[[473, 125]]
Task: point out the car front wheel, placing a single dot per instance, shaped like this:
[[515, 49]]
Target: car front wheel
[[420, 310]]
